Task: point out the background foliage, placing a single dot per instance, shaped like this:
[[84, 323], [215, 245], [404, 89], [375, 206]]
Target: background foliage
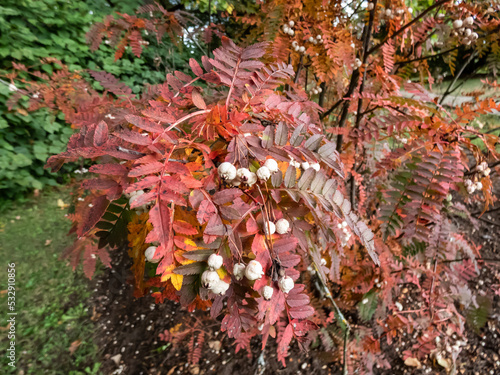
[[35, 29]]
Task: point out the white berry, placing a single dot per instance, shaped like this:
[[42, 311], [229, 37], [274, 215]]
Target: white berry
[[457, 24], [254, 270], [150, 253], [252, 179], [302, 49], [282, 226], [220, 287], [269, 228], [286, 284], [291, 23], [305, 165], [215, 261], [209, 279], [263, 173], [469, 21], [267, 292], [370, 6], [239, 271], [227, 171], [272, 165], [316, 166], [243, 174]]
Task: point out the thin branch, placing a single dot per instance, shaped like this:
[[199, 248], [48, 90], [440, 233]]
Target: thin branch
[[409, 24], [427, 57], [367, 32], [457, 76], [299, 68], [471, 171]]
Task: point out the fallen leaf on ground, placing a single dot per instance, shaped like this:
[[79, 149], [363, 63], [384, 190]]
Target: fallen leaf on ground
[[60, 203], [74, 345], [413, 362], [48, 242]]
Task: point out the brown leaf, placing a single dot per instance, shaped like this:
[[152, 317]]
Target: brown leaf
[[198, 100], [74, 345]]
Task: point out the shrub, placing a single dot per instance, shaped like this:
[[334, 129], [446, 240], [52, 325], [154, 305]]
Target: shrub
[[235, 163], [31, 32]]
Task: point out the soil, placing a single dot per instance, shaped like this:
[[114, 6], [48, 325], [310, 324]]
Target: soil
[[129, 329]]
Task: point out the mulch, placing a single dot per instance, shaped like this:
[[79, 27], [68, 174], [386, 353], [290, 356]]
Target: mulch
[[129, 330]]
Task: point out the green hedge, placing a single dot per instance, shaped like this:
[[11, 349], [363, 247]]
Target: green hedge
[[34, 29]]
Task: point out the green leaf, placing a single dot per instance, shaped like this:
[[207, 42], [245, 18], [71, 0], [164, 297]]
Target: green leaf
[[368, 305]]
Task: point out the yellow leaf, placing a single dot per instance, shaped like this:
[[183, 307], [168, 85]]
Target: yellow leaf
[[176, 281], [222, 273], [167, 274], [61, 204], [189, 242], [188, 151]]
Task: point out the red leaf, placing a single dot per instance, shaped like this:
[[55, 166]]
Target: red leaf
[[170, 196], [301, 312], [198, 100], [99, 184], [184, 227], [205, 211], [100, 134], [133, 137], [159, 216], [285, 244], [93, 215], [296, 300], [109, 169], [149, 168], [277, 305], [215, 227], [284, 341], [143, 199], [173, 183], [89, 261], [144, 124], [226, 195], [104, 257], [195, 67], [142, 184]]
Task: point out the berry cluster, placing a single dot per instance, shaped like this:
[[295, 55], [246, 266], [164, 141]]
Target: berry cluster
[[298, 48], [347, 234], [463, 29], [288, 28], [473, 186], [315, 90]]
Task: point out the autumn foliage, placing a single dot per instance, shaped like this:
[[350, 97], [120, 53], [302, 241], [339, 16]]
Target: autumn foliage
[[369, 166]]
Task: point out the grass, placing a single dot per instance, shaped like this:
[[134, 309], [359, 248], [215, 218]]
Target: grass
[[50, 298]]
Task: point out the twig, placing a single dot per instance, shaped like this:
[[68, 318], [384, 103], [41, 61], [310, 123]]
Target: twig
[[486, 212], [472, 171], [427, 57], [409, 24], [457, 76], [299, 68], [367, 30], [487, 132], [488, 221]]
